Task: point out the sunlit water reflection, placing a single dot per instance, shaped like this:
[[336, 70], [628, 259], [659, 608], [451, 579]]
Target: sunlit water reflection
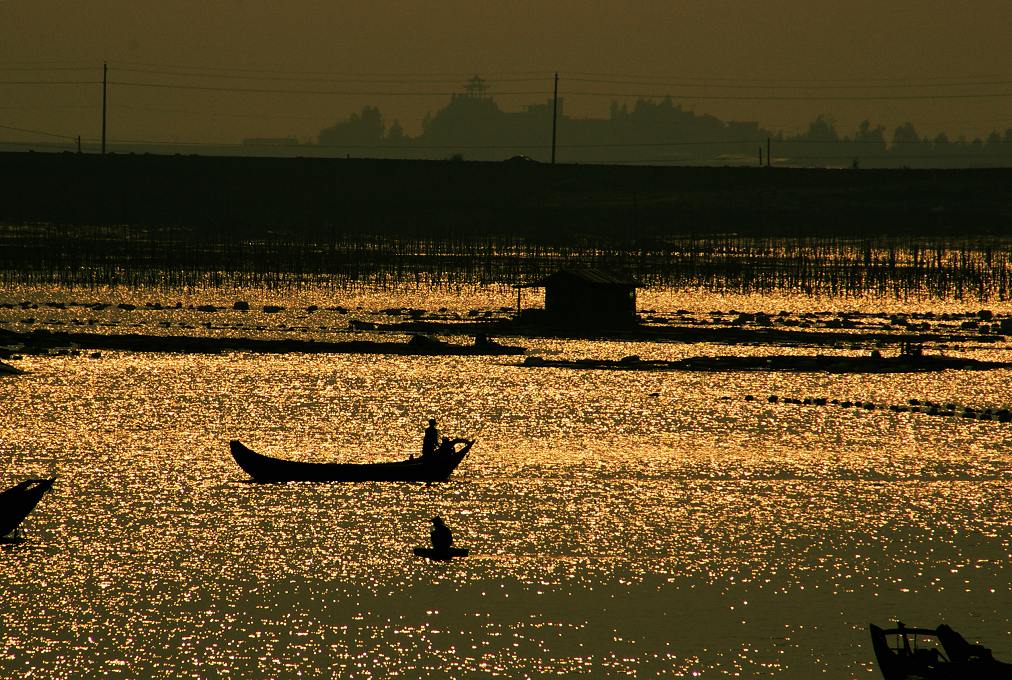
[[620, 523]]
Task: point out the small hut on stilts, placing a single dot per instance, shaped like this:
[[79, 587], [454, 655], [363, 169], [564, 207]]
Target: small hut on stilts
[[584, 299]]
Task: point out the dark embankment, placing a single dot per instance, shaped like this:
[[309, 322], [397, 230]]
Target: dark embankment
[[827, 364], [42, 342], [728, 335], [338, 197]]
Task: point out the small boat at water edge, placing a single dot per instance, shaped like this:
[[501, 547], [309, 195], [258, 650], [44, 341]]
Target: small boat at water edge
[[434, 468], [933, 654], [441, 556], [19, 500]]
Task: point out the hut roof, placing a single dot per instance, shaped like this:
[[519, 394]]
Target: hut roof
[[588, 276]]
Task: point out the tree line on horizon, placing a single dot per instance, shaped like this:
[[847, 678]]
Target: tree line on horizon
[[650, 131]]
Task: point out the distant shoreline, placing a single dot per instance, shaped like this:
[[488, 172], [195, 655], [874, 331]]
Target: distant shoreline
[[555, 203]]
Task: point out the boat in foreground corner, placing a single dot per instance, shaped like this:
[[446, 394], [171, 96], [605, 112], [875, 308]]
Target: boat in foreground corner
[[933, 654], [435, 468], [19, 500]]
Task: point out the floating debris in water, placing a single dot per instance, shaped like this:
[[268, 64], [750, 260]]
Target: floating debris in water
[[930, 408]]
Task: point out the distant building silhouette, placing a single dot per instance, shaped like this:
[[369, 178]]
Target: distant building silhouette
[[475, 89], [649, 131], [359, 130]]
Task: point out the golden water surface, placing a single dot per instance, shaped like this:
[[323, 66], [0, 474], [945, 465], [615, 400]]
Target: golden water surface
[[620, 523]]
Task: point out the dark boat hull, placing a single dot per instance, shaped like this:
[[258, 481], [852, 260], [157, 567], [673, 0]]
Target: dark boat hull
[[18, 501], [263, 468], [910, 661], [441, 556]]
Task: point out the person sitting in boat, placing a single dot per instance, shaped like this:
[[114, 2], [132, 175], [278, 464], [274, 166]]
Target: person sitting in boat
[[449, 446], [445, 447], [440, 535], [431, 441]]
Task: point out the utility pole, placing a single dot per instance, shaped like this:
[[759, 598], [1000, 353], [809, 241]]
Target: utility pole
[[555, 113], [79, 144], [767, 152], [760, 156], [105, 81]]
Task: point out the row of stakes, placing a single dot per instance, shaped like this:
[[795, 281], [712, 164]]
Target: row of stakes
[[930, 408]]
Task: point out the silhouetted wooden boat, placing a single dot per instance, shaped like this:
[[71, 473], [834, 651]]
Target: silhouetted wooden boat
[[435, 468], [933, 654], [441, 556], [19, 500]]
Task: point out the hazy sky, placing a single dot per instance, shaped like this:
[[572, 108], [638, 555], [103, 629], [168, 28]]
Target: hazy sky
[[855, 50]]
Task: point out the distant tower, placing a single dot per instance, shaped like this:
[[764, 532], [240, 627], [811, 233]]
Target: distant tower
[[475, 89]]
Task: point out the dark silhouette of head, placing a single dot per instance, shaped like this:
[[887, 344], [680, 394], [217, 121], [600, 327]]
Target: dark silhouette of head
[[438, 521], [432, 422]]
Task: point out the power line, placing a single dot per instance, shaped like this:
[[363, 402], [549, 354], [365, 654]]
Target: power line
[[49, 82], [48, 68], [267, 90], [753, 86], [50, 108], [282, 144], [47, 145], [578, 93], [325, 117], [37, 132], [796, 81], [509, 76], [902, 80], [316, 79], [42, 62], [900, 97], [639, 95], [434, 93], [455, 74]]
